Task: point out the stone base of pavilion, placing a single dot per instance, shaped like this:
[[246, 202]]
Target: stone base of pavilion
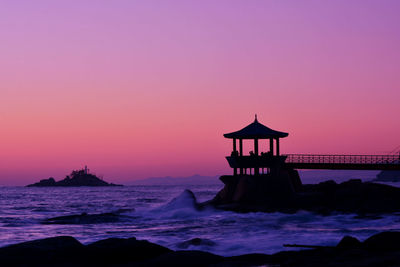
[[277, 188], [282, 191]]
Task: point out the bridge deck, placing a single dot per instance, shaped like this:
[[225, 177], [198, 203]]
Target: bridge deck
[[343, 162]]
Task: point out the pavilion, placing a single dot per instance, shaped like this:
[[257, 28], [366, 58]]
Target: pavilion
[[255, 131]]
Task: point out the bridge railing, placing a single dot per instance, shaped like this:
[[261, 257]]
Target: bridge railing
[[342, 159]]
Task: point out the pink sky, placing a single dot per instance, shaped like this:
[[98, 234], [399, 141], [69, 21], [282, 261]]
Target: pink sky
[[147, 88]]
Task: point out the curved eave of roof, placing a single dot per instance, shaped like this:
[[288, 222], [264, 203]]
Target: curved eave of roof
[[256, 130]]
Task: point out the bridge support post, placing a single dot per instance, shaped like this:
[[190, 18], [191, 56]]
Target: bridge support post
[[256, 169]]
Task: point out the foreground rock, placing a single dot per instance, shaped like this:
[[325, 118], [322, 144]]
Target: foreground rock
[[76, 178], [382, 249], [287, 194], [42, 252]]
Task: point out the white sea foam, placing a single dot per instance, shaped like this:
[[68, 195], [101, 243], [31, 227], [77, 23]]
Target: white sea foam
[[184, 206]]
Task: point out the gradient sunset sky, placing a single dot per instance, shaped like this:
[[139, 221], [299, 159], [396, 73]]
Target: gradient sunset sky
[[135, 89]]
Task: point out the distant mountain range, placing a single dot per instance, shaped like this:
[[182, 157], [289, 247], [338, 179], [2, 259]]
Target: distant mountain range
[[168, 180]]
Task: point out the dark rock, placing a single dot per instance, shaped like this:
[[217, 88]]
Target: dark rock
[[76, 178], [254, 259], [196, 242], [385, 241], [51, 243], [348, 242], [67, 251], [119, 250], [379, 250], [271, 192], [280, 192], [185, 258], [295, 180], [45, 182], [64, 249]]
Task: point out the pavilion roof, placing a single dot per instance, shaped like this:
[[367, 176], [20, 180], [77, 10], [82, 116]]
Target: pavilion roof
[[256, 130]]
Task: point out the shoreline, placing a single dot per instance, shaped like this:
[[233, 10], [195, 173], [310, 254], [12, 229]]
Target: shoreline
[[381, 249]]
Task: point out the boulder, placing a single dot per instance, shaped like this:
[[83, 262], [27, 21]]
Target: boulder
[[271, 191], [185, 258], [281, 191], [379, 250], [64, 249], [119, 250], [385, 241], [348, 242]]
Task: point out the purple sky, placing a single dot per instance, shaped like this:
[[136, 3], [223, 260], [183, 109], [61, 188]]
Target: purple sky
[[147, 88]]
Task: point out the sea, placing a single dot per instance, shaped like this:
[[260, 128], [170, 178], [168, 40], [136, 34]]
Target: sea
[[167, 215]]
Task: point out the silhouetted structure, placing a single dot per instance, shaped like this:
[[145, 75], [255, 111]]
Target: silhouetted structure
[[281, 189], [272, 159], [255, 131]]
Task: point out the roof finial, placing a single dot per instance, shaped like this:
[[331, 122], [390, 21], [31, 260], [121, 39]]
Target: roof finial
[[255, 118]]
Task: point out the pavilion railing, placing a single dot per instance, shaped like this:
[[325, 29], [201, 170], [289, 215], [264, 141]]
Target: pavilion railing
[[342, 159]]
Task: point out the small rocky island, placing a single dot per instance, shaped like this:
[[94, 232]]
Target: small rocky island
[[76, 178]]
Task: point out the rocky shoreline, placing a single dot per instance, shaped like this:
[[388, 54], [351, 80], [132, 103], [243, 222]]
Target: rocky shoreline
[[285, 193], [382, 249]]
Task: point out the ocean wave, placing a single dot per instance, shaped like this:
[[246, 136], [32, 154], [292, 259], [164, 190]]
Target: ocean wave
[[184, 206]]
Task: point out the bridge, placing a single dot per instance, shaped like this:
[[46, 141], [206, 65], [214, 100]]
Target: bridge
[[310, 161], [343, 162]]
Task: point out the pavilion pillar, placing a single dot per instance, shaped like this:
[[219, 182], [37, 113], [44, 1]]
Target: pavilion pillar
[[256, 169], [277, 146], [234, 144], [271, 146], [241, 153]]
